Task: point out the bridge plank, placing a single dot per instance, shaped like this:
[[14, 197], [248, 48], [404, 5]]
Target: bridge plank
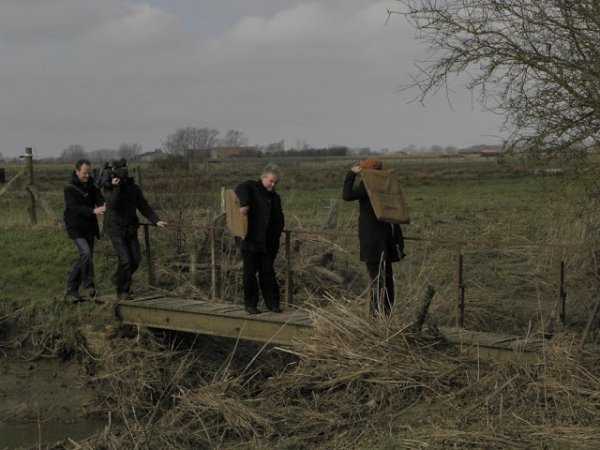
[[232, 320]]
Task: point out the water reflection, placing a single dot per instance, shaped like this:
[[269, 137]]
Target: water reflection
[[15, 435]]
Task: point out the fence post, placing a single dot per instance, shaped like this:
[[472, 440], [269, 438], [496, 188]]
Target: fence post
[[194, 264], [460, 289], [138, 172], [288, 269], [215, 285], [151, 273], [29, 170], [333, 214]]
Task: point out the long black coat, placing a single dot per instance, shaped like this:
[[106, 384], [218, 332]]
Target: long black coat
[[265, 217], [376, 238], [120, 218], [80, 200]]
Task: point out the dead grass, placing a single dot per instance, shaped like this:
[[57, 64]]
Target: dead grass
[[357, 383]]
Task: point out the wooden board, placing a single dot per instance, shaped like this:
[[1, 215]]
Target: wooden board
[[236, 224], [385, 195]]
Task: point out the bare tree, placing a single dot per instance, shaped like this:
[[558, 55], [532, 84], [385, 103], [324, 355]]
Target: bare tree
[[234, 138], [104, 155], [129, 151], [535, 62], [186, 142], [275, 148], [73, 153]]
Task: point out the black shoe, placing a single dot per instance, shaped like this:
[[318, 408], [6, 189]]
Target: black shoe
[[276, 309], [252, 310], [124, 296], [72, 295], [91, 294]]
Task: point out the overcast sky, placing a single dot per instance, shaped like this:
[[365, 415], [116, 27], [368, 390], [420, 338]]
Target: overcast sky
[[100, 73]]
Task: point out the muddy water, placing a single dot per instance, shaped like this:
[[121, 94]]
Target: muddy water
[[15, 435]]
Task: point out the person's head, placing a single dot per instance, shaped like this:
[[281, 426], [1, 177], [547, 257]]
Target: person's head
[[83, 170], [121, 170], [371, 163], [271, 176]]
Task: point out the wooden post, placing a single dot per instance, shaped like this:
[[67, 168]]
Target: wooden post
[[589, 324], [194, 264], [138, 172], [562, 295], [333, 214], [215, 286], [223, 207], [429, 293], [151, 273], [29, 170], [288, 270]]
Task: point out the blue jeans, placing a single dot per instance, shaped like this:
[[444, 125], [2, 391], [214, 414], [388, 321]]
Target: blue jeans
[[129, 256], [83, 272]]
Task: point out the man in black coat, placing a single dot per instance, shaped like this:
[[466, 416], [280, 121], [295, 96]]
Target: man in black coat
[[262, 205], [121, 223], [381, 243], [83, 202]]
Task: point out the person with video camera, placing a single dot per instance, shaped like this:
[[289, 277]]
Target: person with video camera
[[121, 223]]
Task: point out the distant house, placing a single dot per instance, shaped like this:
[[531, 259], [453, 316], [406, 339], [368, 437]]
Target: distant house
[[198, 154], [233, 152], [156, 155], [490, 152]]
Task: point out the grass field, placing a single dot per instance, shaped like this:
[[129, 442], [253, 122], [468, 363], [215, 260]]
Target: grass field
[[359, 384], [473, 200]]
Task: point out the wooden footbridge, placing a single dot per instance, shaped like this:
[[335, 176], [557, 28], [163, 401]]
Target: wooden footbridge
[[232, 321], [213, 317]]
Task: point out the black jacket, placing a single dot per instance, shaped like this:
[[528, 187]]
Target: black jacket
[[80, 201], [375, 237], [265, 217], [120, 218]]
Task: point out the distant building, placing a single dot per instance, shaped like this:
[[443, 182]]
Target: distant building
[[198, 154], [490, 152], [233, 152], [156, 155]]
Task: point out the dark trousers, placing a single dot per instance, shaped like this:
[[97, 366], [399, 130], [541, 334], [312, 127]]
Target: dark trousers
[[263, 264], [382, 287], [129, 257], [83, 271]]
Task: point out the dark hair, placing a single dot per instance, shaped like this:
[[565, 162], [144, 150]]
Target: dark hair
[[81, 162]]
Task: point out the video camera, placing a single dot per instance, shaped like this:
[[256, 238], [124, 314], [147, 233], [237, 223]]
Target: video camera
[[104, 175]]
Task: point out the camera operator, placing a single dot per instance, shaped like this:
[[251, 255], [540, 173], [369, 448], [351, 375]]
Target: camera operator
[[121, 223]]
